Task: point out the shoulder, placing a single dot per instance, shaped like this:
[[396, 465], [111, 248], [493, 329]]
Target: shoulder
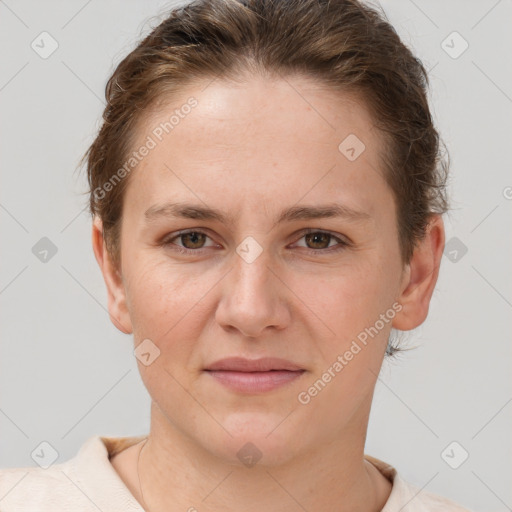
[[37, 489], [424, 501], [407, 497], [85, 483]]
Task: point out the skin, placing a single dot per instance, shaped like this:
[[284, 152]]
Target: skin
[[251, 150]]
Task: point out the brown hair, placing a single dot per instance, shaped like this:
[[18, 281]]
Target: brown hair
[[343, 44]]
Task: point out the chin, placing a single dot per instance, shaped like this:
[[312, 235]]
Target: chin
[[263, 439]]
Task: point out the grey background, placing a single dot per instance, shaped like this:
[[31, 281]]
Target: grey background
[[66, 373]]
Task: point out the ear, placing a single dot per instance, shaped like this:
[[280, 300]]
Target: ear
[[117, 309], [420, 277]]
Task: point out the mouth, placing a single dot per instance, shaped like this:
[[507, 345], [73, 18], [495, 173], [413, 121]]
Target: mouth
[[254, 375]]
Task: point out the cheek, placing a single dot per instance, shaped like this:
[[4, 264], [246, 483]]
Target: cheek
[[349, 297], [166, 308], [163, 297], [350, 304]]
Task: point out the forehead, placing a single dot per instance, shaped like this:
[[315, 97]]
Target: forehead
[[265, 106], [274, 139]]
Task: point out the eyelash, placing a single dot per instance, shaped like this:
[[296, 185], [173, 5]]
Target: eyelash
[[342, 244]]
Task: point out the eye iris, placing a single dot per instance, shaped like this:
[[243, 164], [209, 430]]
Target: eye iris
[[194, 236], [316, 236]]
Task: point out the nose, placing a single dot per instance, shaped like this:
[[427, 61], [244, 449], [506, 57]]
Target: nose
[[254, 297]]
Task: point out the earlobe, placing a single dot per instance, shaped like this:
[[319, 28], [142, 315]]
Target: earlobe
[[420, 277], [116, 294]]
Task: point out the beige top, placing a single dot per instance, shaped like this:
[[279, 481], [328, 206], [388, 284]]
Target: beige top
[[89, 483]]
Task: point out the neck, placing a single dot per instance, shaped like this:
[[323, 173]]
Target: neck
[[176, 474]]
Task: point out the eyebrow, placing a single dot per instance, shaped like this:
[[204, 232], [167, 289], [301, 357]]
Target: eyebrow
[[200, 212]]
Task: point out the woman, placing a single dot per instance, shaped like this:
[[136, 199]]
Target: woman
[[267, 191]]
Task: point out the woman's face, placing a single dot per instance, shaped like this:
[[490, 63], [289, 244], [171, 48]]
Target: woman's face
[[269, 157]]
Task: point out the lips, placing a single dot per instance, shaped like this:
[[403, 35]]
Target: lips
[[254, 375], [266, 364]]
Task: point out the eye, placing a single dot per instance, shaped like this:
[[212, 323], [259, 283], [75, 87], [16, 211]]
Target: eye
[[320, 241], [193, 241]]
